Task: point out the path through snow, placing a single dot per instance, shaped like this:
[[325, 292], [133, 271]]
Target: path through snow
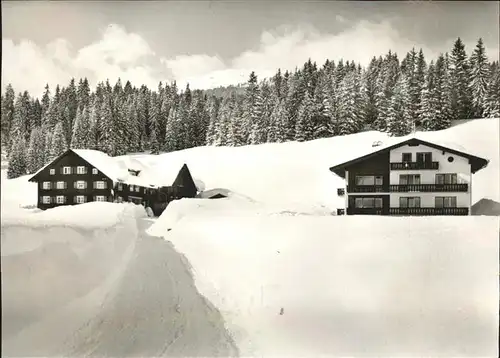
[[147, 307]]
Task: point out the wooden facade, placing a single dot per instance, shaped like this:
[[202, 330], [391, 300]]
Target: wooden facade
[[71, 180]]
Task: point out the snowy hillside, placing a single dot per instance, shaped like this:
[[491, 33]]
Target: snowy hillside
[[295, 176]]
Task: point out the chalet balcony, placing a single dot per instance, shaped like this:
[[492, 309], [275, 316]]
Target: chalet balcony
[[428, 211], [364, 211], [367, 189], [429, 188], [415, 165]]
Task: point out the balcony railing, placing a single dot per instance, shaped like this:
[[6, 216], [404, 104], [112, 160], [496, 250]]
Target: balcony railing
[[364, 211], [414, 165], [429, 188], [428, 211], [367, 189]]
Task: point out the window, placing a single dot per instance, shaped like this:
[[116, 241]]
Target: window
[[60, 199], [80, 184], [52, 171], [368, 203], [446, 178], [137, 189], [99, 198], [61, 185], [46, 185], [100, 185], [120, 199], [407, 157], [66, 170], [446, 201], [131, 188], [409, 202], [424, 157], [46, 199], [369, 180], [120, 186], [95, 171], [81, 170], [405, 179], [80, 199]]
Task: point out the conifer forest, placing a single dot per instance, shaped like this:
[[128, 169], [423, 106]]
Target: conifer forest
[[392, 94]]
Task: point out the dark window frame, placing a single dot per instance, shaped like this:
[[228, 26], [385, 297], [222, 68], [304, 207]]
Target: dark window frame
[[404, 202]]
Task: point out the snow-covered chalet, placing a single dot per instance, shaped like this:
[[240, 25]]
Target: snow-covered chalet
[[408, 176], [82, 175]]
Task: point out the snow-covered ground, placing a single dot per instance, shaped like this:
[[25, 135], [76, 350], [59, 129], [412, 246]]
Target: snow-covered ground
[[303, 285], [289, 279]]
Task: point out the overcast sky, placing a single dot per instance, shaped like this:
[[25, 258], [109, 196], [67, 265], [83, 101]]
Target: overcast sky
[[210, 43]]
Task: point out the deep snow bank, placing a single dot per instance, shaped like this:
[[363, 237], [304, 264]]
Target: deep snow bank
[[346, 285], [49, 260]]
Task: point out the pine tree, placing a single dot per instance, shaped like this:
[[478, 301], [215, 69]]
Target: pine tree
[[7, 114], [461, 90], [399, 120], [213, 111], [46, 99], [58, 145], [81, 130], [17, 158], [36, 150], [236, 132], [350, 104], [492, 105], [171, 131], [304, 129], [480, 72], [94, 135]]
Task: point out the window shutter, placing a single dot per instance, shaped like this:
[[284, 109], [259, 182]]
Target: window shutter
[[105, 184], [65, 185], [95, 185], [75, 185], [85, 185]]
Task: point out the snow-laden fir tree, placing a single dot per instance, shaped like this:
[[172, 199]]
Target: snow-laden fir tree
[[171, 130], [213, 112], [7, 114], [94, 135], [236, 130], [492, 105], [253, 111], [36, 151], [154, 117], [17, 158], [480, 75], [81, 130], [133, 139], [437, 97], [304, 128], [224, 123], [399, 119], [58, 145], [46, 99], [350, 104], [105, 126], [460, 75]]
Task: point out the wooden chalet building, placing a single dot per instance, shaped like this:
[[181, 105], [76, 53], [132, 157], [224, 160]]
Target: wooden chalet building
[[82, 175], [409, 177]]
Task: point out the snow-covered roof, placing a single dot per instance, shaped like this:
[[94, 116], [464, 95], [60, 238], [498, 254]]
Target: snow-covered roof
[[394, 142], [106, 164], [118, 169]]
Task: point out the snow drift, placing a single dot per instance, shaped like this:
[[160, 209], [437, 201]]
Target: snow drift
[[50, 260], [343, 286]]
